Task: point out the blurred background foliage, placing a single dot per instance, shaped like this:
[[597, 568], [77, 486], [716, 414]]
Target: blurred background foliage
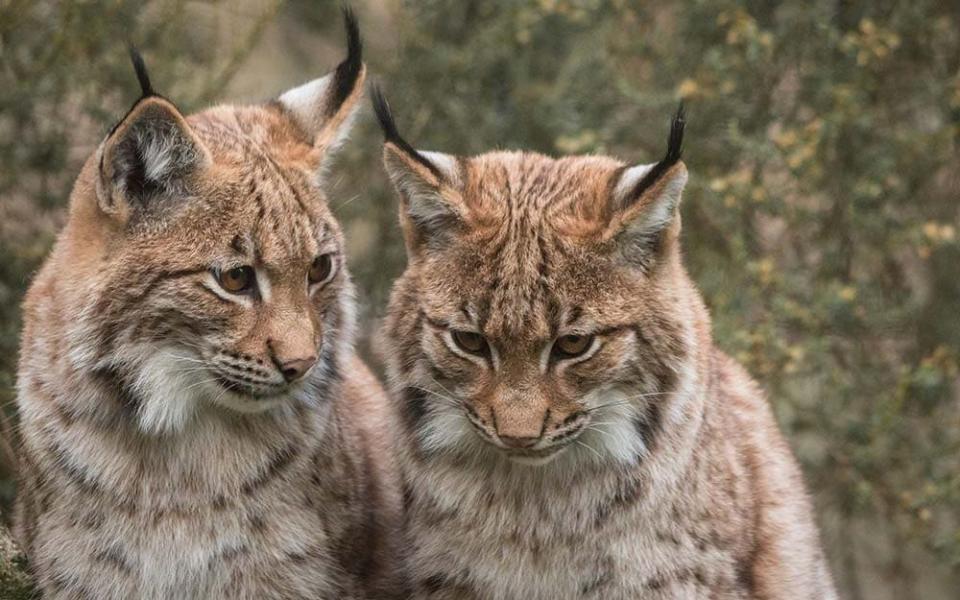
[[820, 220]]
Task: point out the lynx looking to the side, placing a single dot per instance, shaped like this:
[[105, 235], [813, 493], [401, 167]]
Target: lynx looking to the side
[[570, 430], [194, 421]]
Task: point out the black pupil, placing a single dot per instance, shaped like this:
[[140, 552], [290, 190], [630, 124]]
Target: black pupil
[[237, 277], [571, 345], [321, 268], [471, 341]]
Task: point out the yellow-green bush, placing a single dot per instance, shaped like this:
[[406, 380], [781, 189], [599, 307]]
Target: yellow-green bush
[[821, 221]]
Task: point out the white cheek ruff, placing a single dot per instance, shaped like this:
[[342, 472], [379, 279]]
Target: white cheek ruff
[[445, 428], [169, 387], [172, 385], [611, 431]]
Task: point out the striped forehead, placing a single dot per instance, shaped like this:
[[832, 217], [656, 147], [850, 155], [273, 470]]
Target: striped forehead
[[510, 187], [284, 214], [284, 231], [525, 203]]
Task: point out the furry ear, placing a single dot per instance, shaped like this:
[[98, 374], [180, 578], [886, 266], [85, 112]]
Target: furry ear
[[148, 155], [430, 184], [645, 198], [324, 108]]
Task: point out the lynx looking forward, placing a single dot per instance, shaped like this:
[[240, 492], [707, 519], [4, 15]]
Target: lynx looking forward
[[570, 429], [195, 423]]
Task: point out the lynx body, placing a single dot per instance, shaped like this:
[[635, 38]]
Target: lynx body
[[570, 430], [194, 421]]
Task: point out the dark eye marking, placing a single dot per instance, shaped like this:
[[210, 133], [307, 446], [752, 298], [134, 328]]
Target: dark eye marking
[[239, 245], [575, 313], [435, 323], [165, 276], [471, 342], [614, 330]]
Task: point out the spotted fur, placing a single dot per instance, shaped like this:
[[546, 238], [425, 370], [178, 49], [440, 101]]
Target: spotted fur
[[649, 466], [179, 440]]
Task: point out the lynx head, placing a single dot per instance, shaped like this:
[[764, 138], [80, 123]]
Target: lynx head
[[544, 306], [207, 268]]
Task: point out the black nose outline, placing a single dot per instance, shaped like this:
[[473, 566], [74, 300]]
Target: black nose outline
[[296, 368]]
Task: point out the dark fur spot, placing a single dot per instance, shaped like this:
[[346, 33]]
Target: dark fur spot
[[654, 583], [114, 557], [629, 492], [434, 583], [602, 579], [280, 461], [414, 407], [647, 426], [745, 579], [407, 491]]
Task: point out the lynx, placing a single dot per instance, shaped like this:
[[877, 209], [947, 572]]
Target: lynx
[[195, 423], [569, 429]]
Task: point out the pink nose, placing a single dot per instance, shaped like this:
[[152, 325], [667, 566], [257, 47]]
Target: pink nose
[[296, 368]]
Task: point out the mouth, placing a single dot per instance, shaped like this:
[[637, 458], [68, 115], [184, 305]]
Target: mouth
[[534, 457], [249, 391]]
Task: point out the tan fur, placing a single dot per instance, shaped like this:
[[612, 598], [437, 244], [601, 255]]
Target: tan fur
[[658, 471], [163, 453]]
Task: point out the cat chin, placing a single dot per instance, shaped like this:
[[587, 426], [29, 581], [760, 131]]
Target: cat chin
[[535, 461], [248, 404]]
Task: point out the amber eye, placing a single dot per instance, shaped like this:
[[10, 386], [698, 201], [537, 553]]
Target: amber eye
[[236, 280], [320, 269], [471, 342], [571, 346]]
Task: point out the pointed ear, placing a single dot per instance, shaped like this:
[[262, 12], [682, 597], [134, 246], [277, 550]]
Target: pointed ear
[[149, 157], [430, 185], [644, 201], [324, 108]]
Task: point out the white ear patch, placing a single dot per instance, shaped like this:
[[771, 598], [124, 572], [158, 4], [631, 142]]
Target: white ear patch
[[158, 157], [656, 213], [628, 181], [662, 209], [306, 103], [427, 206], [446, 164]]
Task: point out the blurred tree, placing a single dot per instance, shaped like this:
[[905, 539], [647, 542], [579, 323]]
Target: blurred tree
[[820, 222]]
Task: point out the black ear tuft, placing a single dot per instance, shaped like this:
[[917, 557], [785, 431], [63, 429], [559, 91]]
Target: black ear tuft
[[140, 68], [390, 133], [675, 142], [674, 153], [345, 76], [384, 115]]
